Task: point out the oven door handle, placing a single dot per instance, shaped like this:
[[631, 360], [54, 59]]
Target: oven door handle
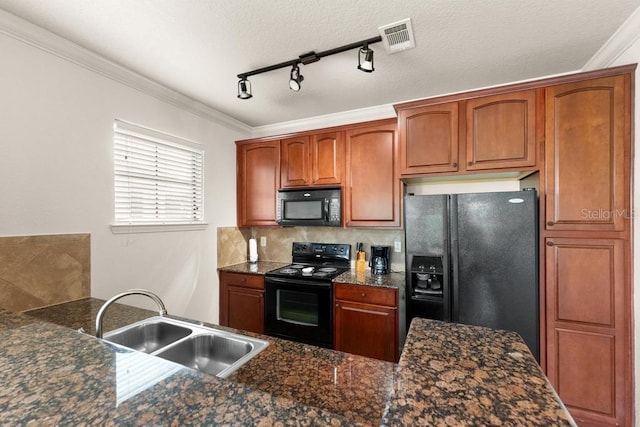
[[296, 281], [293, 322]]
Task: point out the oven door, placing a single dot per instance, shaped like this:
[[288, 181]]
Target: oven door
[[299, 310]]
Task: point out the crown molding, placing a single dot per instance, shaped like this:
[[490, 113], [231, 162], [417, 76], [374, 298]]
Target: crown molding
[[26, 32], [384, 111], [618, 43]]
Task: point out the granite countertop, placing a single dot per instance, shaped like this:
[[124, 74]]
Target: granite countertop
[[447, 375], [310, 381], [53, 375], [392, 280], [259, 267], [453, 374]]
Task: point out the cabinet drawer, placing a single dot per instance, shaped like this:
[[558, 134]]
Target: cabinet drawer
[[366, 294], [254, 281]]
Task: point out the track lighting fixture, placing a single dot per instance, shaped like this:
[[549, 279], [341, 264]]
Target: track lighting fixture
[[365, 64], [295, 78], [244, 88]]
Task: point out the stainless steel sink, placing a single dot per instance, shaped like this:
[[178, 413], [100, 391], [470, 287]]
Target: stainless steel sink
[[212, 354], [208, 350], [149, 336]]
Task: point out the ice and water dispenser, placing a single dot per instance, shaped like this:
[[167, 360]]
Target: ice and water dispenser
[[429, 293], [427, 276]]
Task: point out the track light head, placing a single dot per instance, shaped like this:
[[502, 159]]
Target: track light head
[[244, 89], [295, 80], [365, 64]]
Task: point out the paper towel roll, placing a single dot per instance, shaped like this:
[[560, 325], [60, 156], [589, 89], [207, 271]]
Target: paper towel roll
[[253, 250]]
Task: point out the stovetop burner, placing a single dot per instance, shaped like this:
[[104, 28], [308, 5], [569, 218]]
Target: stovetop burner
[[318, 261], [305, 271]]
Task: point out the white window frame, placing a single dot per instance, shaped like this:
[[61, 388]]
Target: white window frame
[[140, 193]]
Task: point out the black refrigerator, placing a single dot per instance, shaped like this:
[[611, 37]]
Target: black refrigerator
[[473, 259]]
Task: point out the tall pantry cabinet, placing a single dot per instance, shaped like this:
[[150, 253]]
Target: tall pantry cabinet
[[587, 247]]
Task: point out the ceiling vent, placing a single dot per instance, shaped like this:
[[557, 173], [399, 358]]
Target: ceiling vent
[[397, 36]]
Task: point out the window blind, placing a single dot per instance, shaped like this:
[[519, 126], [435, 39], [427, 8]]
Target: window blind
[[158, 177]]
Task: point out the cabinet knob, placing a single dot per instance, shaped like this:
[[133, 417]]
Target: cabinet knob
[[470, 163], [363, 295], [549, 243], [337, 305], [454, 164], [551, 223]]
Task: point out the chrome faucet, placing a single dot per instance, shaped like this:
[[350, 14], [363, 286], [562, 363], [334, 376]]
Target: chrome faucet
[[161, 310]]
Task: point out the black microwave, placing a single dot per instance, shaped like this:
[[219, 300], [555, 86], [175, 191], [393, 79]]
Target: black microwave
[[309, 206]]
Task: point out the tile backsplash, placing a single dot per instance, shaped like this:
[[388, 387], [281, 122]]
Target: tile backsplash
[[233, 243], [37, 271]]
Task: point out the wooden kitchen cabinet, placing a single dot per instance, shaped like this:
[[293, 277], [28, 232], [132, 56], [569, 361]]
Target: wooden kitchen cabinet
[[327, 158], [372, 192], [488, 133], [366, 321], [586, 232], [310, 160], [586, 149], [587, 337], [258, 180], [501, 131], [429, 139], [242, 301], [295, 166]]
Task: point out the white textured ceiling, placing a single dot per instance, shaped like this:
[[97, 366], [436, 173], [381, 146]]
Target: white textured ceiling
[[197, 47]]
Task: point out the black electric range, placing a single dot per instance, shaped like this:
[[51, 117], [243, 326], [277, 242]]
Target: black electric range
[[316, 261], [299, 297]]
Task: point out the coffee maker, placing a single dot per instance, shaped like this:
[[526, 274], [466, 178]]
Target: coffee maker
[[380, 259]]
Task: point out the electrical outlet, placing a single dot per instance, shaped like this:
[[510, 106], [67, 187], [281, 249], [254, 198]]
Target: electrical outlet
[[397, 247], [263, 241]]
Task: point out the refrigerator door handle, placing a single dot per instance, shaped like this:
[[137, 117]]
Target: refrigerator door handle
[[455, 307], [453, 229]]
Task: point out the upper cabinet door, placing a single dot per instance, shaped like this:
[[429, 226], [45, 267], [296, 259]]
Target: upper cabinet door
[[372, 192], [587, 167], [258, 181], [501, 131], [327, 158], [294, 166], [428, 139]]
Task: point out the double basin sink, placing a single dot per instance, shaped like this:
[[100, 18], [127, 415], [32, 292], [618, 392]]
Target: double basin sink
[[208, 350]]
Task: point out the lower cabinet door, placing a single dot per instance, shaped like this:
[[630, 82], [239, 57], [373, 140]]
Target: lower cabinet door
[[366, 330], [587, 328], [246, 309]]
